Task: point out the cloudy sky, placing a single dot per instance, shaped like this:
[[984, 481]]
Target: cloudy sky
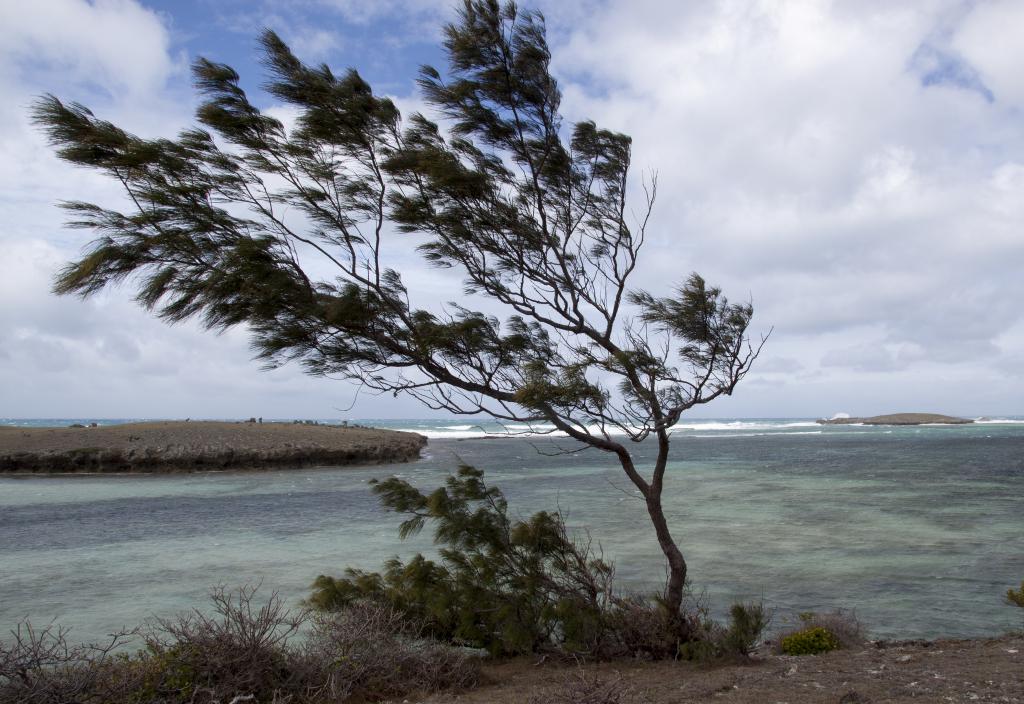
[[856, 168]]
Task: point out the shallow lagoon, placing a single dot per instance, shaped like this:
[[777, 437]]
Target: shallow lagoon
[[919, 529]]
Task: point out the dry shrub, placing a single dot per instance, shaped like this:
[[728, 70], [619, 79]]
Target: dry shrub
[[637, 626], [240, 653], [39, 666], [239, 650], [582, 687], [372, 651], [365, 651], [841, 623], [640, 627]]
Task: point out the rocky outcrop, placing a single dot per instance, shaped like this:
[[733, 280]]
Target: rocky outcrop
[[199, 446], [899, 419]]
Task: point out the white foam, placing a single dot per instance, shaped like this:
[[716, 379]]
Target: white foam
[[438, 433], [720, 428], [759, 435], [742, 425]]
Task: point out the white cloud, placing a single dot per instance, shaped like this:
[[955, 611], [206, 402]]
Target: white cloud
[[804, 161], [839, 162], [116, 44], [105, 356], [990, 39]]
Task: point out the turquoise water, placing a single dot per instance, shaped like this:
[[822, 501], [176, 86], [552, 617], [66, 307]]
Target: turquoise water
[[919, 529]]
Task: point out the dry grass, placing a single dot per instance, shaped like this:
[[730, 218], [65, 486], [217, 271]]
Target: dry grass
[[242, 651], [585, 687]]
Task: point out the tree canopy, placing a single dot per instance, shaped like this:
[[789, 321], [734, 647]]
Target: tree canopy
[[287, 230]]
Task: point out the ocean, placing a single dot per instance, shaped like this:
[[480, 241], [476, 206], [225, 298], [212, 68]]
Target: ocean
[[918, 529]]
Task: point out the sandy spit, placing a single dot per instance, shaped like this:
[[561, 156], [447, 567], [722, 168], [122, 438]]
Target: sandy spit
[[188, 446]]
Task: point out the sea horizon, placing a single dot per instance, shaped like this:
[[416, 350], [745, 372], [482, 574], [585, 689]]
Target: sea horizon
[[459, 427]]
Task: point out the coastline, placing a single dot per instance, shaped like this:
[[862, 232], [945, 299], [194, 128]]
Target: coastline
[[984, 669], [193, 446]]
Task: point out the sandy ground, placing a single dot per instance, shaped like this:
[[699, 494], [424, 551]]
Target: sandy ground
[[981, 670], [187, 446]]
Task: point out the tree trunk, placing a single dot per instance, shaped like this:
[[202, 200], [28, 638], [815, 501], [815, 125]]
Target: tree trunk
[[674, 556]]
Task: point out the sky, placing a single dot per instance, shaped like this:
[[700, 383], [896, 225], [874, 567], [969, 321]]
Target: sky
[[854, 168]]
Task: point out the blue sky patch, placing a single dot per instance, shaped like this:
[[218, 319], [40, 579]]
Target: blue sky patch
[[943, 67]]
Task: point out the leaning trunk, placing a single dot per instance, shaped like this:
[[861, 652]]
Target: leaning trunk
[[673, 555]]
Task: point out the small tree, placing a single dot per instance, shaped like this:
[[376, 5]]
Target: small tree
[[231, 219]]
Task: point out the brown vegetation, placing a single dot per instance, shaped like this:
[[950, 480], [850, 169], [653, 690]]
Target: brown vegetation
[[244, 651], [198, 445]]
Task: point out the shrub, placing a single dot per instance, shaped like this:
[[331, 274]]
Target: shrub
[[372, 652], [638, 626], [1015, 597], [39, 666], [841, 623], [241, 649], [747, 623], [712, 640], [363, 652], [810, 641], [241, 653], [510, 587]]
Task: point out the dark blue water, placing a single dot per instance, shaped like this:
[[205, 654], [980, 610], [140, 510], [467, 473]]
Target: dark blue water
[[919, 529]]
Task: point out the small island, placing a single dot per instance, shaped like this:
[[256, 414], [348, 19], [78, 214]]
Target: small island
[[899, 419], [189, 446]]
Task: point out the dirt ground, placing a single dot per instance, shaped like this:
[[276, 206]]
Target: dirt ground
[[188, 446], [982, 670]]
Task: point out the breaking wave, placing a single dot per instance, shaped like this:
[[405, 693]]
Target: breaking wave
[[489, 428]]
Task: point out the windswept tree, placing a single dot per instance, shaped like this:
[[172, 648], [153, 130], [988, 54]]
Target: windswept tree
[[244, 221]]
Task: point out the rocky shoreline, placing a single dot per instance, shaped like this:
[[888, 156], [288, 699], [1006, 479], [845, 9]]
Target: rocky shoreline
[[190, 446], [899, 419]]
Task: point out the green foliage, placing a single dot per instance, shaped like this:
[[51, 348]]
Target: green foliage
[[700, 650], [508, 586], [841, 623], [232, 217], [242, 221], [503, 585], [810, 641], [747, 623], [1015, 597]]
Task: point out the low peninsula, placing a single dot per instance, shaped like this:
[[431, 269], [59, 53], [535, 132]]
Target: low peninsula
[[899, 419], [189, 446]]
